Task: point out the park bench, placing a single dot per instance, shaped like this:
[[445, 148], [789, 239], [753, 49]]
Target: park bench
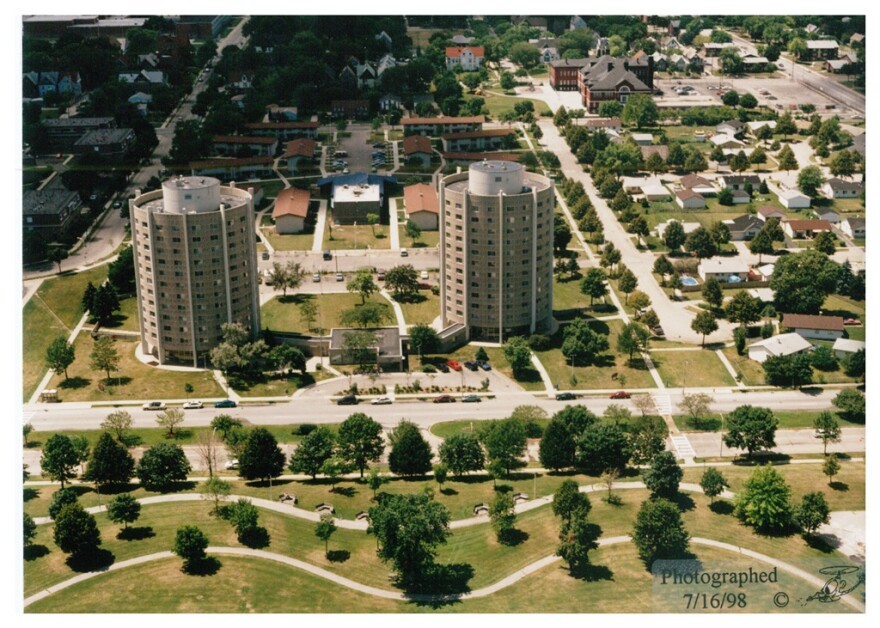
[[520, 497], [287, 497], [325, 507], [481, 509]]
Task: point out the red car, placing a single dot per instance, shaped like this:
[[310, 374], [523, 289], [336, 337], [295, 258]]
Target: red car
[[621, 394], [444, 399], [454, 365]]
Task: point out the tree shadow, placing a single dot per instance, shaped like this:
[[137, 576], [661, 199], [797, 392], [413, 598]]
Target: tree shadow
[[207, 566], [180, 434], [591, 573], [132, 440], [255, 538], [825, 543], [762, 457], [703, 424], [684, 502], [338, 556], [503, 488], [174, 487], [33, 552], [73, 383], [116, 489], [513, 537], [449, 491], [97, 560], [138, 533], [721, 507], [80, 489], [444, 580], [345, 491], [839, 486], [30, 493], [416, 297], [275, 483]]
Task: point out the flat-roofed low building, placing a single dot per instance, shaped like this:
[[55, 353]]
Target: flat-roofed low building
[[233, 169], [467, 158], [113, 143], [794, 199], [778, 346], [283, 130], [64, 132], [49, 211], [245, 145], [422, 206], [352, 202], [436, 127], [487, 139], [291, 210], [814, 326], [384, 350]]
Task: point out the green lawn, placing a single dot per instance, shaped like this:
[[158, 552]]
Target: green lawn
[[292, 242], [598, 374], [127, 317], [39, 328], [700, 368], [133, 380], [278, 386], [499, 104], [422, 311], [283, 313], [356, 237], [752, 372], [63, 294]]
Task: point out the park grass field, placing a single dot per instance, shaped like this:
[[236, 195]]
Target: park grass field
[[283, 313], [699, 368]]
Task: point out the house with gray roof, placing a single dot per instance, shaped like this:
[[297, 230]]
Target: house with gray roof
[[839, 188], [743, 227], [853, 227], [776, 346], [615, 78]]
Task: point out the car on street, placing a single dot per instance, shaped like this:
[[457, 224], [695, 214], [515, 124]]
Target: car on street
[[565, 396], [381, 401], [345, 171], [347, 400], [404, 253], [327, 254], [444, 399], [620, 394], [379, 145], [470, 365], [154, 405], [340, 277], [117, 204], [484, 365], [225, 403], [193, 404], [316, 277], [423, 274], [454, 365], [231, 464], [265, 255], [443, 367], [471, 399]]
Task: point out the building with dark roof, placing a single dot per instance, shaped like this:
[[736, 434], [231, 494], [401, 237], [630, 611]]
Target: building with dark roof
[[104, 142], [564, 73], [49, 211], [64, 132], [385, 352], [488, 139], [615, 78], [814, 326]]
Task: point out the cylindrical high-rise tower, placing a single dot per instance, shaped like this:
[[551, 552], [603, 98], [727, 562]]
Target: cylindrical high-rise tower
[[195, 266], [496, 246]]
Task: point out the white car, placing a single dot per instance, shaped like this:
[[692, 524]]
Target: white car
[[232, 464], [154, 405], [193, 404], [424, 274], [381, 401]]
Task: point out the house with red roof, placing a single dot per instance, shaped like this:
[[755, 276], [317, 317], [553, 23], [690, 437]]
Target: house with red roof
[[468, 57]]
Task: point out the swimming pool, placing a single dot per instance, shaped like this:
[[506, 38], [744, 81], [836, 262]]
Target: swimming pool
[[688, 281]]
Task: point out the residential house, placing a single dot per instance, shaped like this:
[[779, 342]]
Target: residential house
[[858, 144], [754, 125], [576, 23], [607, 124], [244, 145], [390, 102], [822, 49], [642, 139], [274, 113], [838, 188], [729, 127], [672, 43], [488, 139], [769, 211], [142, 101], [366, 75], [793, 199], [38, 84], [283, 130], [111, 143], [836, 66], [805, 228], [656, 192], [673, 28], [764, 272], [615, 78], [462, 40], [350, 109], [238, 100], [844, 348], [291, 210], [688, 199], [547, 48], [738, 181], [712, 49], [724, 269], [603, 46], [49, 211], [299, 151], [853, 227], [687, 226], [436, 127], [814, 326], [756, 63], [697, 184], [240, 80], [417, 148], [422, 206], [470, 58], [387, 61], [743, 227], [811, 28], [564, 73], [677, 63], [385, 38], [739, 197], [660, 149], [234, 169], [857, 38], [764, 295], [145, 79], [827, 214], [348, 78], [660, 63], [777, 346], [727, 141]]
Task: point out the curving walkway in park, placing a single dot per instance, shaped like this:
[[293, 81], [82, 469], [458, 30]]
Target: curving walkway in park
[[428, 597]]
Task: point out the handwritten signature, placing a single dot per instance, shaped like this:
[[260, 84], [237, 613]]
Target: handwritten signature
[[839, 583]]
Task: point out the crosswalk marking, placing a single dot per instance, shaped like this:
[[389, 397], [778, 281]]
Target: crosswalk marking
[[664, 404], [683, 446], [27, 416]]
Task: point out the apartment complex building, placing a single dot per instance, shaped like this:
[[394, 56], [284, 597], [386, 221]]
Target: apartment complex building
[[195, 266], [496, 244]]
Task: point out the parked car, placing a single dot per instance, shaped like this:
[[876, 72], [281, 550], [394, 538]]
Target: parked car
[[454, 365], [620, 394], [340, 277], [404, 253], [471, 399], [423, 274], [484, 365], [117, 204], [444, 399], [316, 277], [379, 145], [226, 403], [193, 405], [328, 254], [265, 255], [443, 367], [231, 464], [565, 396], [381, 401], [657, 330], [347, 400], [471, 365], [380, 275], [154, 405]]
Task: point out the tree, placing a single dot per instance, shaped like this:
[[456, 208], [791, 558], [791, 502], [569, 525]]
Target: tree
[[627, 282], [611, 256], [738, 163], [366, 315], [655, 163], [662, 265], [659, 532], [362, 283], [577, 537], [225, 424], [633, 338], [61, 498], [441, 472], [169, 419], [410, 453], [412, 231], [162, 466], [764, 501], [26, 430], [712, 292], [311, 453], [60, 355], [104, 356], [375, 480], [748, 101], [507, 81], [809, 180], [569, 502], [802, 281], [787, 160], [758, 156], [76, 531], [761, 244], [216, 489], [831, 467], [640, 110], [593, 284], [124, 509], [462, 452], [713, 483], [602, 446], [110, 463], [56, 255], [700, 242], [117, 423], [261, 459], [516, 351], [730, 98], [505, 442], [105, 304], [402, 280], [663, 477], [423, 339], [744, 309], [798, 47], [825, 242], [524, 54], [561, 234], [308, 311], [854, 366], [851, 404], [751, 428], [730, 61], [610, 109], [704, 323], [842, 164], [673, 237], [59, 459], [788, 370], [502, 515], [244, 517], [360, 441], [324, 529], [360, 346], [409, 528], [812, 512], [29, 529], [190, 544], [581, 342]]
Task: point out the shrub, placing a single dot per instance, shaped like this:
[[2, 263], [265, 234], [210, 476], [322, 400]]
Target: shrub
[[429, 368], [539, 342], [304, 429]]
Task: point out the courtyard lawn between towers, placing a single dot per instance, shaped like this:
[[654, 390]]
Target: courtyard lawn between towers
[[283, 313], [356, 237], [292, 242], [696, 369], [424, 308]]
